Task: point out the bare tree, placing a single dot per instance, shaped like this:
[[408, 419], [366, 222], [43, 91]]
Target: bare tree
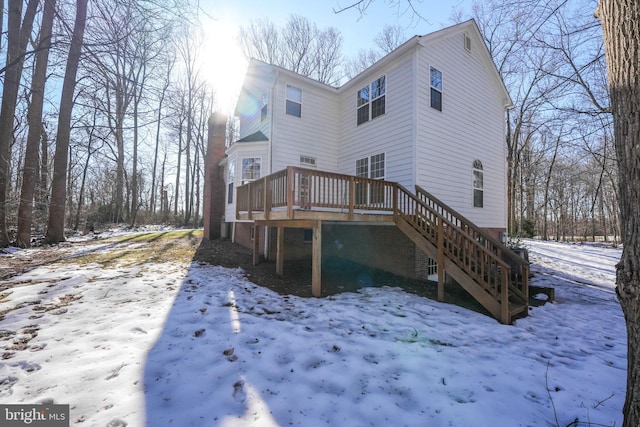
[[620, 22], [161, 97], [18, 33], [390, 38], [386, 40], [298, 46], [55, 230], [34, 117]]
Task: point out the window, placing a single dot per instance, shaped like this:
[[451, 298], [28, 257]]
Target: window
[[371, 100], [308, 161], [294, 101], [362, 170], [370, 167], [436, 89], [478, 184], [230, 179], [307, 235], [250, 168], [377, 166], [363, 105], [264, 110], [467, 42]]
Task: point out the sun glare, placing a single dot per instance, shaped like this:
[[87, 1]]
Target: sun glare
[[223, 62]]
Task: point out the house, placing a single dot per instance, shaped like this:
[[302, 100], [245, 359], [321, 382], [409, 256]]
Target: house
[[423, 127]]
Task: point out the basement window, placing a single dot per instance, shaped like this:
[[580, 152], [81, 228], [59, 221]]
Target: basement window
[[308, 235]]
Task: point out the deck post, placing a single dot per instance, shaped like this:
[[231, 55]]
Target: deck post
[[280, 252], [289, 190], [440, 260], [256, 244], [267, 197], [505, 313], [249, 197], [395, 202], [352, 196], [316, 263]]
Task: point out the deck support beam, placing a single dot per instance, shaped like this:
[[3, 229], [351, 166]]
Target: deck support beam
[[280, 252], [316, 263], [256, 244]]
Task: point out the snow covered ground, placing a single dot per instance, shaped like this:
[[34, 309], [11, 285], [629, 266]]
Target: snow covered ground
[[170, 344]]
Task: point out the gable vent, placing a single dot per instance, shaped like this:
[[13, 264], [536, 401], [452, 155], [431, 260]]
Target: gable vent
[[467, 43]]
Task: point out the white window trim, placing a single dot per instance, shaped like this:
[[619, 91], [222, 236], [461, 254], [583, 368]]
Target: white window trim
[[242, 178], [308, 161], [286, 98], [369, 104], [474, 169], [441, 90]]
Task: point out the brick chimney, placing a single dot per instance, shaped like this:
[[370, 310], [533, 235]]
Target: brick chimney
[[214, 187]]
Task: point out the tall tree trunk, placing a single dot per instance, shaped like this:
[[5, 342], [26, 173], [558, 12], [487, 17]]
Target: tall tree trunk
[[134, 174], [177, 189], [34, 118], [120, 150], [43, 176], [620, 21], [18, 33], [55, 230], [157, 145]]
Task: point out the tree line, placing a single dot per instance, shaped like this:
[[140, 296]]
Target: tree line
[[129, 145]]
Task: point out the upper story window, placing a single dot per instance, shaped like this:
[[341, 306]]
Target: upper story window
[[478, 184], [370, 100], [264, 110], [294, 101], [250, 168], [436, 88]]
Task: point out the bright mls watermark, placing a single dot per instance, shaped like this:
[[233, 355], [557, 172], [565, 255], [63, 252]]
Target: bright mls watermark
[[34, 415]]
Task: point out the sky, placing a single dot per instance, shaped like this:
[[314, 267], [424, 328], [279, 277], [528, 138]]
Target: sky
[[155, 344], [221, 20]]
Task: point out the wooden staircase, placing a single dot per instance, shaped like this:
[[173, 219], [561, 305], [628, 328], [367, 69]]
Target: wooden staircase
[[491, 272]]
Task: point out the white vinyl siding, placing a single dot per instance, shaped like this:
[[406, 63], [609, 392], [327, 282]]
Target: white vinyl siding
[[251, 103], [391, 133], [314, 135], [472, 123]]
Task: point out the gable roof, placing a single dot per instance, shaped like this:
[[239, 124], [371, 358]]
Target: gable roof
[[259, 68], [472, 26]]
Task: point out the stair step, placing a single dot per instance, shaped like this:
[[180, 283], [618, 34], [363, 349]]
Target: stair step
[[517, 309]]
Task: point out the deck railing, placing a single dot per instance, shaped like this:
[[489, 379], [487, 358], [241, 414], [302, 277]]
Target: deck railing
[[519, 267], [300, 188], [492, 265]]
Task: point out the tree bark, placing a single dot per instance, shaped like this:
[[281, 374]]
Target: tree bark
[[620, 20], [18, 32], [55, 230], [34, 118]]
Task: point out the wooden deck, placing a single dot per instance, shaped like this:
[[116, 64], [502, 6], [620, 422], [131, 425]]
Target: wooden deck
[[303, 198]]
